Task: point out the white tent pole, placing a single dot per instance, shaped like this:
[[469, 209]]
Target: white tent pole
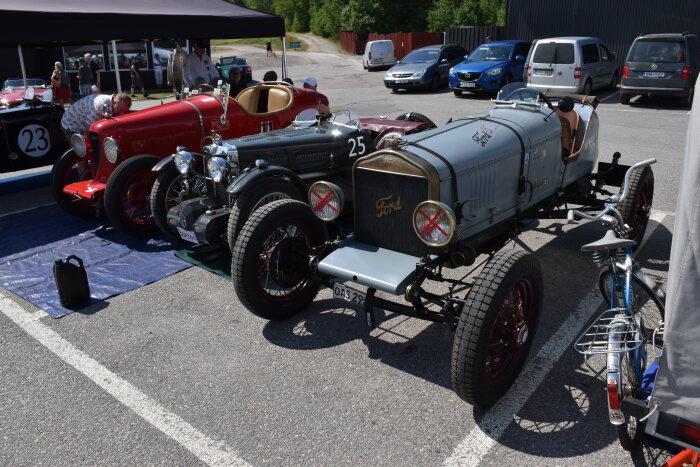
[[116, 66], [21, 63], [284, 57]]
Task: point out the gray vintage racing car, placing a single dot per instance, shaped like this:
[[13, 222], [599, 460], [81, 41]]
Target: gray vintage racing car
[[437, 200], [207, 197]]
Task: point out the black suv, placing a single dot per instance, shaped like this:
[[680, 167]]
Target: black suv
[[661, 65]]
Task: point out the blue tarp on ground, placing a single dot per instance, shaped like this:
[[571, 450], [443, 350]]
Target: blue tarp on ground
[[32, 240]]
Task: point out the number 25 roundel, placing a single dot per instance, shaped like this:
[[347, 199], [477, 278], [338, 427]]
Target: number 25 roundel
[[34, 140]]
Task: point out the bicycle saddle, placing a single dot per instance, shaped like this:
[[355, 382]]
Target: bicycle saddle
[[609, 242]]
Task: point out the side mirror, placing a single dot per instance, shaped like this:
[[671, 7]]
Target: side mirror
[[519, 58], [466, 56], [444, 60]]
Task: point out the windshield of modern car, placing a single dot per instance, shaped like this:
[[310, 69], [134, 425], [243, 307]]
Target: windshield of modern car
[[654, 50], [490, 52], [421, 56], [518, 92], [11, 84]]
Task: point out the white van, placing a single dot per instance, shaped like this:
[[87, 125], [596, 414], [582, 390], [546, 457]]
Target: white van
[[576, 65], [378, 53]]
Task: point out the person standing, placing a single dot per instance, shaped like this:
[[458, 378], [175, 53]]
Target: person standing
[[234, 75], [95, 68], [136, 81], [84, 77], [199, 67], [61, 84], [158, 71], [268, 47]]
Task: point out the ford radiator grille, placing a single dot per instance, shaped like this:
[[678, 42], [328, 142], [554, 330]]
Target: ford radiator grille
[[384, 204], [95, 146]]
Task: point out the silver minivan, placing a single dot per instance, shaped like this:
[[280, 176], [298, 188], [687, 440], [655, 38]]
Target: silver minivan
[[378, 54], [576, 65]]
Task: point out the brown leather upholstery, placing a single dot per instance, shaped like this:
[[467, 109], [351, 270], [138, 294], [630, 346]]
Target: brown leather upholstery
[[263, 100], [569, 132]]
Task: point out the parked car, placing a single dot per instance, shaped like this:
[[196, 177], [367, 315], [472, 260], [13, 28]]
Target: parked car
[[424, 68], [13, 91], [30, 133], [489, 67], [378, 54], [571, 65], [661, 65], [206, 198], [436, 200], [121, 151], [224, 64]]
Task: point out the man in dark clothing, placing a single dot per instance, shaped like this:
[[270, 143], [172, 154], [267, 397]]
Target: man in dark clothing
[[84, 77], [234, 74], [136, 81], [90, 61]]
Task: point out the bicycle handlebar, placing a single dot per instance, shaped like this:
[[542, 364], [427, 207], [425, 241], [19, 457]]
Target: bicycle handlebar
[[610, 206]]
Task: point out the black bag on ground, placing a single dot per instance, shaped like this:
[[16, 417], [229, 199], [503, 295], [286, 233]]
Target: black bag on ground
[[71, 281]]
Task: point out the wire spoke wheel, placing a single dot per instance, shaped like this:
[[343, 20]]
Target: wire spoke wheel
[[69, 169]]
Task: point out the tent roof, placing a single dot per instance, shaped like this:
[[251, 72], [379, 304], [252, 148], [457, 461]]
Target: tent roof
[[41, 22]]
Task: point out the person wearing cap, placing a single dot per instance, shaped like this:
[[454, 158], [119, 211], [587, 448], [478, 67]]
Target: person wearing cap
[[92, 63], [310, 83], [136, 81], [84, 77], [61, 84], [199, 67]]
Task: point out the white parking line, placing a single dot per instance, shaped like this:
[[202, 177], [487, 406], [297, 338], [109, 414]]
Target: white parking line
[[479, 441], [608, 96], [209, 451]]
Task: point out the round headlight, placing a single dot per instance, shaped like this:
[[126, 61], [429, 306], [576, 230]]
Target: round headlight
[[434, 223], [111, 148], [183, 161], [217, 168], [495, 71], [326, 200], [77, 142]]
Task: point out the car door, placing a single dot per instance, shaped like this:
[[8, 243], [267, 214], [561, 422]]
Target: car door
[[591, 66], [443, 64], [520, 50], [607, 58]]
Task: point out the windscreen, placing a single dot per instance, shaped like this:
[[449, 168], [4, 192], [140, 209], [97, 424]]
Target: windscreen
[[490, 52], [228, 60], [18, 83], [552, 52], [421, 56], [664, 51]]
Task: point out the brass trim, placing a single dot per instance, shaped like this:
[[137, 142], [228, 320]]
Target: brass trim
[[450, 217], [337, 191]]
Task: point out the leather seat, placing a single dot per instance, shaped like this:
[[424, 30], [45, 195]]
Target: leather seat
[[264, 100]]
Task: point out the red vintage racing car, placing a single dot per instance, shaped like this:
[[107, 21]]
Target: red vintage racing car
[[121, 151]]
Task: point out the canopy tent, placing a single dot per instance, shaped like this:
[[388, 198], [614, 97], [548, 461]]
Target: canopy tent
[[44, 22]]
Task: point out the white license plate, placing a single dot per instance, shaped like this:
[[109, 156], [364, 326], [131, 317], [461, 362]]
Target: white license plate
[[654, 74], [348, 294], [468, 85], [400, 81], [187, 235], [540, 72]]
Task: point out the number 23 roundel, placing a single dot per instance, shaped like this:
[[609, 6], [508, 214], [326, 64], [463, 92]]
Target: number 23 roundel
[[34, 140]]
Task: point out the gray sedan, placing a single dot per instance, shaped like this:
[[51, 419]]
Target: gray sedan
[[425, 68]]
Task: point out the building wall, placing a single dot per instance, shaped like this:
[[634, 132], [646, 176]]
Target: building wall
[[616, 22]]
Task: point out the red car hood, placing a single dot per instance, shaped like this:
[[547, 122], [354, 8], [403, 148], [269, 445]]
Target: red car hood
[[16, 96]]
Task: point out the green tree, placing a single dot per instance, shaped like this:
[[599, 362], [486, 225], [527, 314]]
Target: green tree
[[359, 16], [325, 20], [296, 13]]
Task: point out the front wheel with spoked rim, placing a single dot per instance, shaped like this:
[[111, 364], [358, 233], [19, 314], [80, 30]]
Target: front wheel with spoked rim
[[496, 327], [169, 190], [270, 262], [630, 432]]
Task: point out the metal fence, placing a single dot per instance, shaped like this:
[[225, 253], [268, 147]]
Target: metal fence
[[471, 36], [404, 42]]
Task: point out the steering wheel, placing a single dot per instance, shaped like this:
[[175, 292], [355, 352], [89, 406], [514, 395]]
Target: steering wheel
[[204, 87]]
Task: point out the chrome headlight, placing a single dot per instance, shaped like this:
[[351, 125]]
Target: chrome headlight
[[495, 71], [231, 152], [434, 223], [452, 70], [418, 74], [77, 142], [217, 168], [183, 161], [388, 75], [326, 200], [111, 148]]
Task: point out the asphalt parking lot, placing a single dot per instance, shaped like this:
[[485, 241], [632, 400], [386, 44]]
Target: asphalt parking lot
[[179, 373]]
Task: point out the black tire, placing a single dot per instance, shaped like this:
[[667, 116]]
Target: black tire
[[127, 195], [614, 81], [166, 193], [478, 377], [636, 207], [631, 432], [65, 172], [261, 193], [625, 99], [457, 92], [267, 260], [417, 117], [586, 88], [435, 83]]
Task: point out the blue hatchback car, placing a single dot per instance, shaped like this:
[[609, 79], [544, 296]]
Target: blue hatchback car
[[489, 67]]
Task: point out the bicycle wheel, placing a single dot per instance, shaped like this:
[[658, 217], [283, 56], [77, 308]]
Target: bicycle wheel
[[630, 433]]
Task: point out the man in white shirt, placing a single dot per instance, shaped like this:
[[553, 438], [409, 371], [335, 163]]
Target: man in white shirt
[[199, 69]]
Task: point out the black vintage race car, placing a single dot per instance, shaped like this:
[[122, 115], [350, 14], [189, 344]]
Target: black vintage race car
[[31, 133], [207, 197]]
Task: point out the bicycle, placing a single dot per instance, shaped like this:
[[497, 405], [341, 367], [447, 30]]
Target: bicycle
[[628, 332]]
